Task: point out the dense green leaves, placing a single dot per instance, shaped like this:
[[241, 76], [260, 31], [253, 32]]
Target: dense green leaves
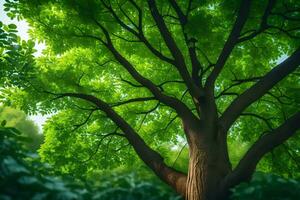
[[23, 176], [16, 57], [267, 186], [21, 173], [18, 119], [86, 66], [82, 39], [127, 185]]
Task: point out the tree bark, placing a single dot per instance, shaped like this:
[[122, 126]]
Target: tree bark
[[196, 187], [208, 165]]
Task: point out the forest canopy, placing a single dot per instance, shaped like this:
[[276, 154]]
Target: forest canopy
[[203, 93]]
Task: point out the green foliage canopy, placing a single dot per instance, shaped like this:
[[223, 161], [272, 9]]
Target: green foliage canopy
[[15, 56], [80, 36]]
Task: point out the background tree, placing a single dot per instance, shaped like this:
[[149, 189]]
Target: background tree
[[141, 74], [18, 119]]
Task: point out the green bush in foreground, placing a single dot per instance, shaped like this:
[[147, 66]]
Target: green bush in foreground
[[267, 186], [24, 177], [21, 180]]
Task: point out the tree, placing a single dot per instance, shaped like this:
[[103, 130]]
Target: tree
[[116, 72], [18, 119]]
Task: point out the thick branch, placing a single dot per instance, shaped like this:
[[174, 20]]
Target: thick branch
[[181, 16], [175, 51], [174, 103], [265, 144], [264, 22], [191, 44], [259, 89], [230, 43], [150, 157]]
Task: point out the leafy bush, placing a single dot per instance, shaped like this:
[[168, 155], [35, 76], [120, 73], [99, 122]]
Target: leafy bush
[[267, 186], [125, 185], [23, 176], [21, 180]]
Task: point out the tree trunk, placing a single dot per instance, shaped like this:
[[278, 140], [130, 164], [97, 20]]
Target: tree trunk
[[208, 165], [197, 181]]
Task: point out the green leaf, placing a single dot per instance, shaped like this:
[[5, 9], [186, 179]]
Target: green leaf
[[12, 26]]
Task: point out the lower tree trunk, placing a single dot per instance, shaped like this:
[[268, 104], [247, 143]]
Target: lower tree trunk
[[197, 181], [208, 165]]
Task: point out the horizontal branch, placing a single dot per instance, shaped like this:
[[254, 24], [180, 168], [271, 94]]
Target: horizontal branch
[[148, 111], [287, 32], [134, 100], [263, 145], [237, 82], [265, 120], [259, 89], [286, 16], [226, 94]]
